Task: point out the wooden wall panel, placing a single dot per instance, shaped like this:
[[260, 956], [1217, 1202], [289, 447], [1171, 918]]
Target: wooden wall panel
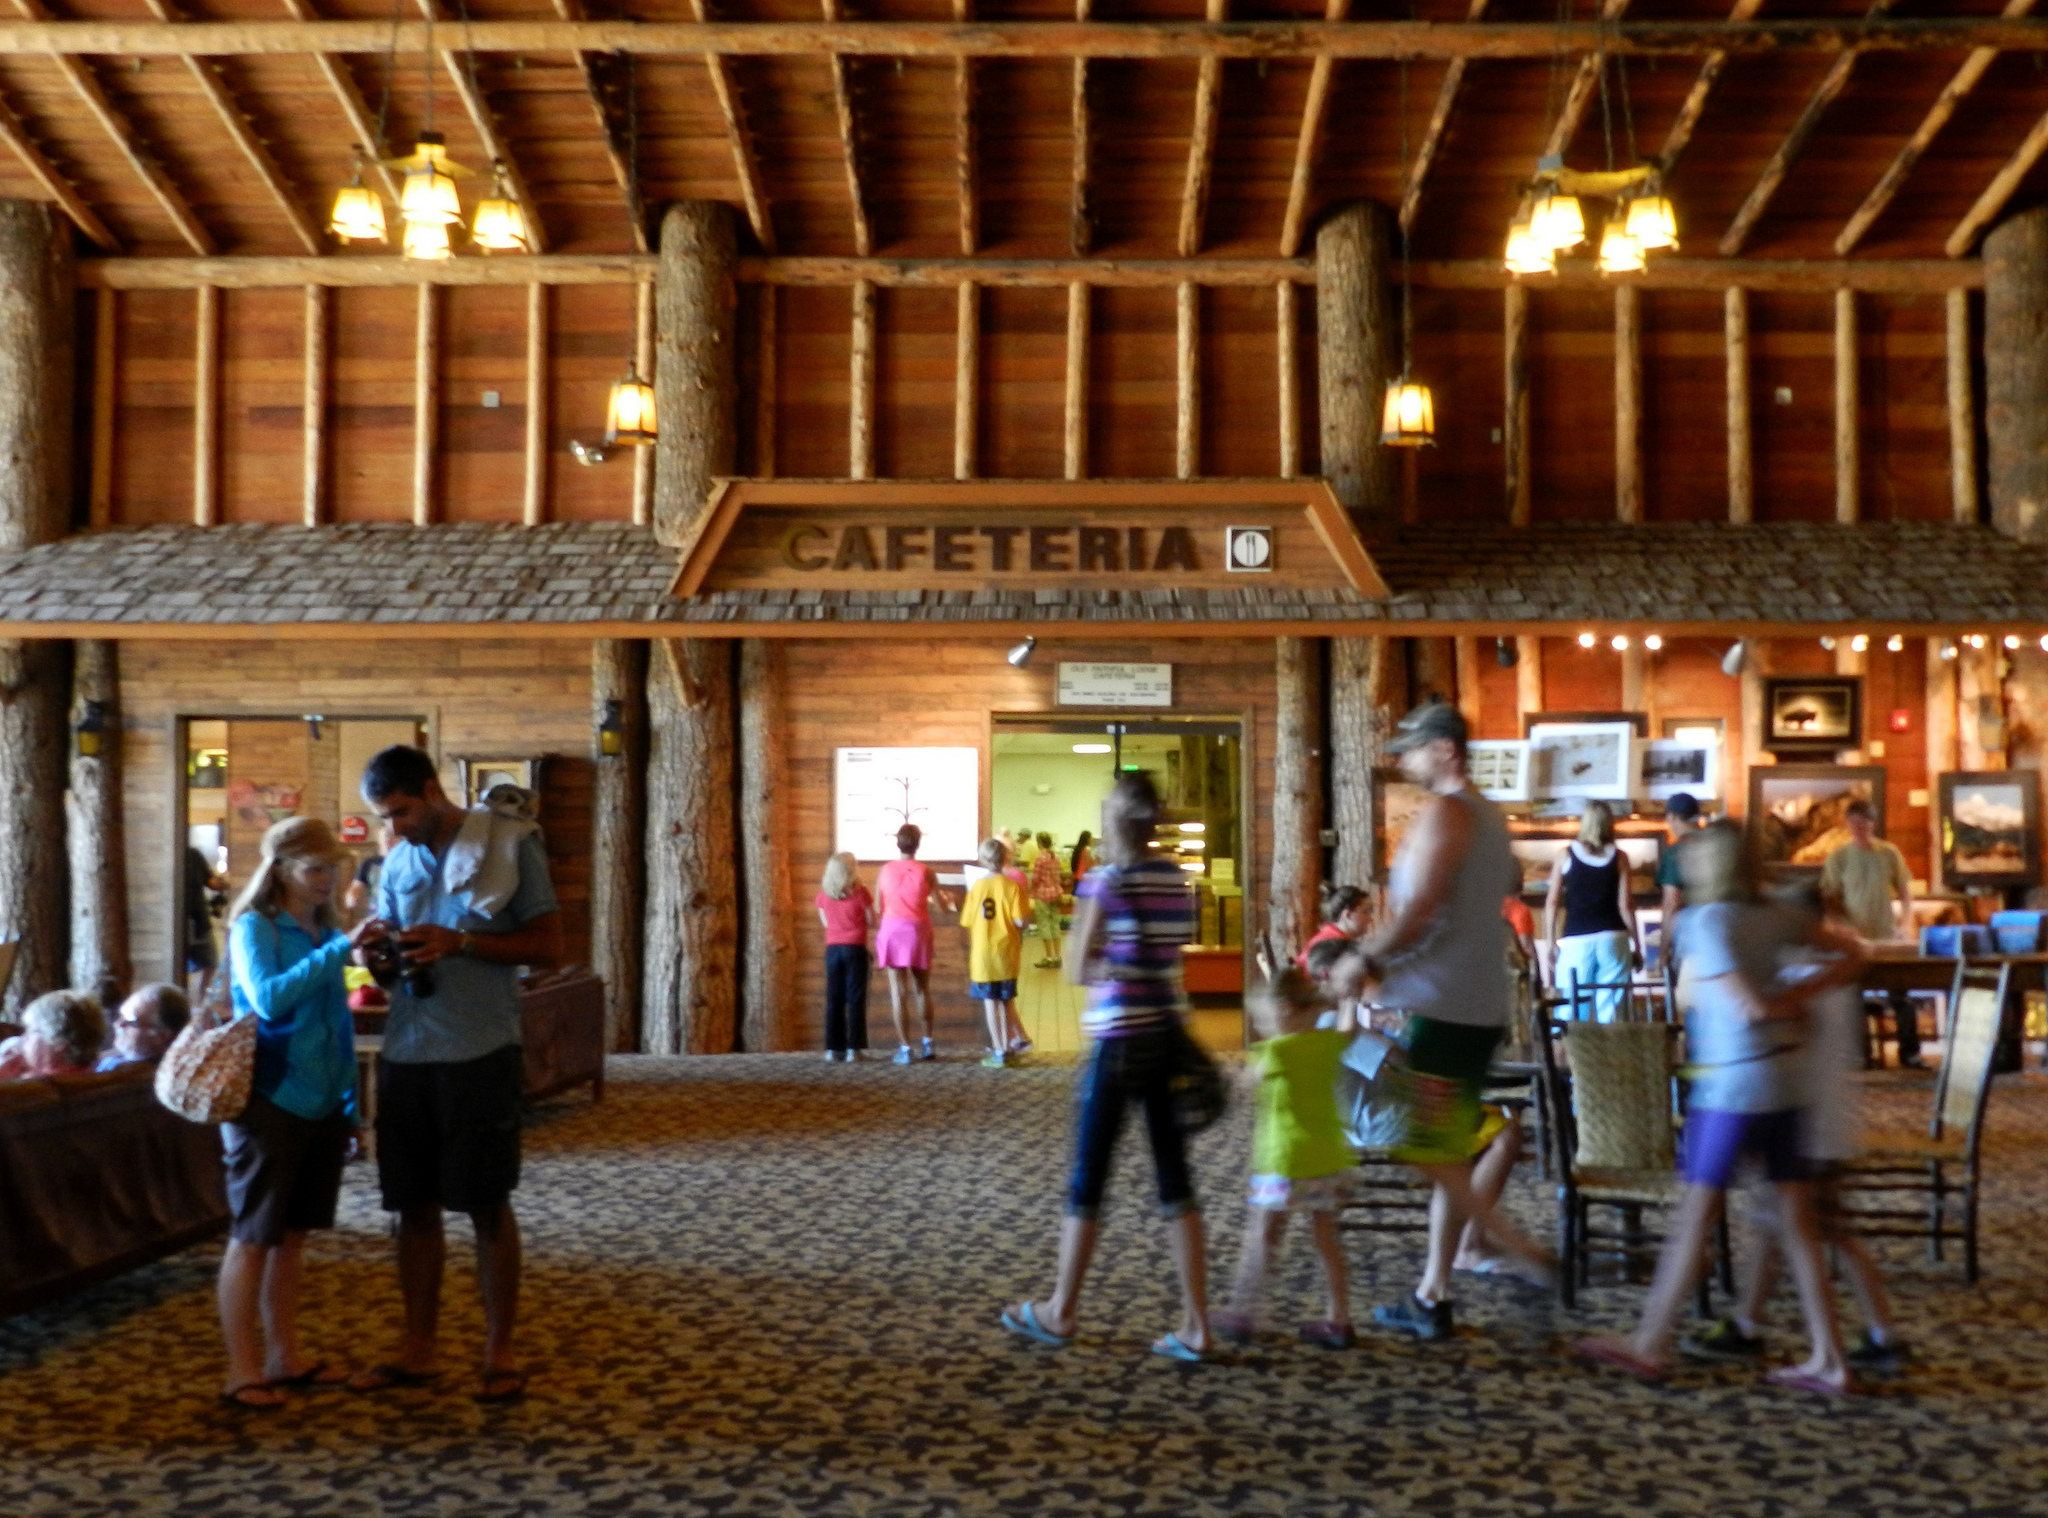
[[1131, 380], [1579, 679], [262, 459], [814, 371], [841, 694], [482, 477], [153, 426], [1023, 384], [593, 339], [1898, 682], [1571, 406], [914, 384], [1311, 429], [1458, 342], [1685, 474], [1904, 388], [1792, 348], [1499, 711], [1239, 348], [506, 698], [371, 426]]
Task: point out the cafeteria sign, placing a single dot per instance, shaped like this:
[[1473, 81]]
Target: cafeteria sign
[[968, 535]]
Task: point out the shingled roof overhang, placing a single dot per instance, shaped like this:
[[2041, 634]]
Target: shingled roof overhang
[[604, 580]]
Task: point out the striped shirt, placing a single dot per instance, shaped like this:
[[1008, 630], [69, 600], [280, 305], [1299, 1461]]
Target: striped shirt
[[1148, 912], [1045, 876]]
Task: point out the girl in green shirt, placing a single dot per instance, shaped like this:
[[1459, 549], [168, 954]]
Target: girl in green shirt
[[1300, 1157]]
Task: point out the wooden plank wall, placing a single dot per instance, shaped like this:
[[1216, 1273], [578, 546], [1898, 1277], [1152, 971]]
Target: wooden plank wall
[[507, 699], [846, 694], [479, 470]]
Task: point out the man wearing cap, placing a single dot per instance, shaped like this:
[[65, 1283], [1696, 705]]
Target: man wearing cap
[[1441, 958]]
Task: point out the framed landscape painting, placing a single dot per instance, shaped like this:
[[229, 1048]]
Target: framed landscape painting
[[1991, 828], [1799, 810]]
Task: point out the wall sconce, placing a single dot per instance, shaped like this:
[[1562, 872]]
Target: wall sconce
[[588, 453], [611, 733], [92, 729]]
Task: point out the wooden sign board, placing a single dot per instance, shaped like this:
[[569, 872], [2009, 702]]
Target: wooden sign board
[[1025, 535]]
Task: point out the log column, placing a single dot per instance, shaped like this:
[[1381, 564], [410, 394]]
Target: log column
[[2016, 374], [768, 954], [618, 672], [1297, 796], [94, 835], [1941, 745], [689, 991], [1357, 349], [36, 377], [1368, 693]]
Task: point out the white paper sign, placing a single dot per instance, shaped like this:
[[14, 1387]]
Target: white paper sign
[[877, 790], [1116, 685]]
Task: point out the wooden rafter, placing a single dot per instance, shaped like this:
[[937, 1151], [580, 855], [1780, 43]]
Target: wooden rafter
[[746, 166], [349, 97], [1687, 121], [1824, 93], [1194, 198], [849, 143], [14, 134], [471, 94], [1433, 134], [1952, 95], [207, 75], [2003, 184], [1578, 97], [78, 73], [601, 82], [964, 142], [1044, 39], [1081, 208]]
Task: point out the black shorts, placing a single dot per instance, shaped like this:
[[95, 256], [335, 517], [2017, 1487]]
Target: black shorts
[[283, 1171], [448, 1134]]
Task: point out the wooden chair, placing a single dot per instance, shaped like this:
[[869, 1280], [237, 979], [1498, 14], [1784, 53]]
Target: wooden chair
[[1611, 1117], [1947, 1167]]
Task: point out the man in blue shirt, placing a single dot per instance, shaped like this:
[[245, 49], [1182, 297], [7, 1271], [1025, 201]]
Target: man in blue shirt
[[450, 1082]]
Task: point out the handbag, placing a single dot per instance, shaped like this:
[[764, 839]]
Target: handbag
[[206, 1073], [1200, 1093]]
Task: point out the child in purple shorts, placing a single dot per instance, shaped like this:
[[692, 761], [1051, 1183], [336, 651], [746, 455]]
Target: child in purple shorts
[[1748, 1025]]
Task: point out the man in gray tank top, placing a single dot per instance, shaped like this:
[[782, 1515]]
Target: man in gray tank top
[[1442, 958]]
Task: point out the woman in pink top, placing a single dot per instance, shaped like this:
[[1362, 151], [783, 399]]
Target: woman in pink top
[[847, 911], [903, 942]]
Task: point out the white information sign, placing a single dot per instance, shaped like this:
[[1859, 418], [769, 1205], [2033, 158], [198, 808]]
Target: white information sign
[[1116, 685], [875, 791]]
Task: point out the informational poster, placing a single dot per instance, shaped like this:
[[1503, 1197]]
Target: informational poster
[[875, 791], [1116, 685]]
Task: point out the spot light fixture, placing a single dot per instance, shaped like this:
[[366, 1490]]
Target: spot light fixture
[[1507, 656], [1733, 660], [1896, 643], [2012, 640], [1949, 650], [1587, 640], [1653, 641], [1020, 656], [1619, 643], [1859, 644], [1975, 640]]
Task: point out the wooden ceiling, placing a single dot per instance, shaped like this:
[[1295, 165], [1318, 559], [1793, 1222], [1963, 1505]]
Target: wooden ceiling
[[240, 155]]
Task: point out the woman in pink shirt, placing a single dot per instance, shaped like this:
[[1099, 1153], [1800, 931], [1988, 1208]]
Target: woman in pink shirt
[[847, 911], [903, 942]]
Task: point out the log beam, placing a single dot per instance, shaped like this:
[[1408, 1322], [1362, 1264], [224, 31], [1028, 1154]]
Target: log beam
[[966, 382], [1528, 675], [1297, 796], [535, 507], [1514, 432], [643, 360], [860, 449], [94, 832], [768, 383], [1467, 655], [315, 500], [618, 673], [1308, 143], [1194, 196], [966, 146], [1287, 388], [768, 1010], [695, 383], [1628, 404], [1074, 429], [1355, 352], [849, 142], [1741, 453], [206, 410], [1432, 134], [1990, 205], [2016, 374], [1942, 755], [1848, 410], [106, 397], [1080, 204], [601, 85], [746, 165], [362, 121], [1687, 121], [14, 135], [426, 405], [488, 135], [1962, 410], [1187, 385]]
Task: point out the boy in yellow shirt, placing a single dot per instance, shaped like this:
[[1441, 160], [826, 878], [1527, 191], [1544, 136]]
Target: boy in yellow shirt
[[994, 915]]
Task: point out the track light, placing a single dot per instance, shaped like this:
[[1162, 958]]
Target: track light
[[1859, 644], [1619, 643], [1021, 654], [1828, 644], [1507, 655], [1975, 640], [2012, 640], [1948, 650], [1587, 640], [1897, 643], [1735, 658], [1653, 641]]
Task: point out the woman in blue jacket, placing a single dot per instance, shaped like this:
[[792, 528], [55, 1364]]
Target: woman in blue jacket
[[286, 1150]]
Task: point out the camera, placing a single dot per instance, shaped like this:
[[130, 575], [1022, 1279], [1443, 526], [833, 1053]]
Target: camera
[[391, 967]]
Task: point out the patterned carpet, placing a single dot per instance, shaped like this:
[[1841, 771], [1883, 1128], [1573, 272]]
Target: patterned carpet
[[762, 1285]]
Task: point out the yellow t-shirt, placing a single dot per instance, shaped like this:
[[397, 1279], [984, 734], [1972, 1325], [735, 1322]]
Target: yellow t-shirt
[[993, 915]]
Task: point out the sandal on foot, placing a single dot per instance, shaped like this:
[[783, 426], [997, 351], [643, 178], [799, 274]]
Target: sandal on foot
[[1024, 1323], [385, 1377], [319, 1373], [1614, 1354], [1329, 1335], [1231, 1327], [1794, 1378], [501, 1386], [1172, 1348], [239, 1398]]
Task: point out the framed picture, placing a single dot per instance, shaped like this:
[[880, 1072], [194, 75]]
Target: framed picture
[[479, 774], [1798, 809], [1816, 715], [1499, 768], [1671, 765], [1991, 828], [1589, 761], [1639, 721], [1698, 729], [1396, 804]]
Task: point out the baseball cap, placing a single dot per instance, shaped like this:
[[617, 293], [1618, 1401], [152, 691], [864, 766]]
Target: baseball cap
[[1427, 723]]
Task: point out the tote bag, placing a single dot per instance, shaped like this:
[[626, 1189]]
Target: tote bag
[[206, 1073]]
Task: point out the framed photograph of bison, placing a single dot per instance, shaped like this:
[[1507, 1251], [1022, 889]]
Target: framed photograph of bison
[[1818, 714]]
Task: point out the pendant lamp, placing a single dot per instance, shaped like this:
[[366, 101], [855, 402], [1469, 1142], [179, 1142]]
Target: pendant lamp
[[1527, 256], [427, 239], [629, 415], [1558, 223], [358, 214], [499, 224], [1652, 222], [1409, 418], [1619, 252]]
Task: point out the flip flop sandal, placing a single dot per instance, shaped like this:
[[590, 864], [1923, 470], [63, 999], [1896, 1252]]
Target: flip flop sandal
[[1793, 1378], [1024, 1323], [239, 1399], [319, 1373], [1171, 1348], [1618, 1357], [501, 1386], [385, 1377]]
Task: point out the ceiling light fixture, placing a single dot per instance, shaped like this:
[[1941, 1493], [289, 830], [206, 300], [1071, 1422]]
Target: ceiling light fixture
[[1408, 419], [499, 225], [1895, 644], [1653, 642], [1587, 640], [1975, 640], [1619, 643], [1735, 658], [1021, 654], [1859, 644], [1089, 748], [1505, 653], [2012, 640], [1619, 252], [1949, 650], [358, 214]]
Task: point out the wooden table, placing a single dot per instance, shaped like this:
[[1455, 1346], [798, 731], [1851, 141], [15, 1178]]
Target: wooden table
[[1905, 970]]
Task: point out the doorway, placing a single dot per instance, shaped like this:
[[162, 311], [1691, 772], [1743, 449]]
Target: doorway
[[1051, 776]]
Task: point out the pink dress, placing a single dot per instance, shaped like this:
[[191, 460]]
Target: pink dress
[[903, 941]]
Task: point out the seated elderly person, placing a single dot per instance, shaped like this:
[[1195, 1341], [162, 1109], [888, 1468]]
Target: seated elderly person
[[61, 1034], [146, 1023]]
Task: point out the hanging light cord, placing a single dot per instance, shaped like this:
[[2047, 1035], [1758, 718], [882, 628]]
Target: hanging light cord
[[1407, 294], [476, 90], [377, 148], [633, 206]]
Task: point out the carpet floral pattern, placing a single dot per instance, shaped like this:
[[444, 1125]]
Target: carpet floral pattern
[[764, 1285]]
